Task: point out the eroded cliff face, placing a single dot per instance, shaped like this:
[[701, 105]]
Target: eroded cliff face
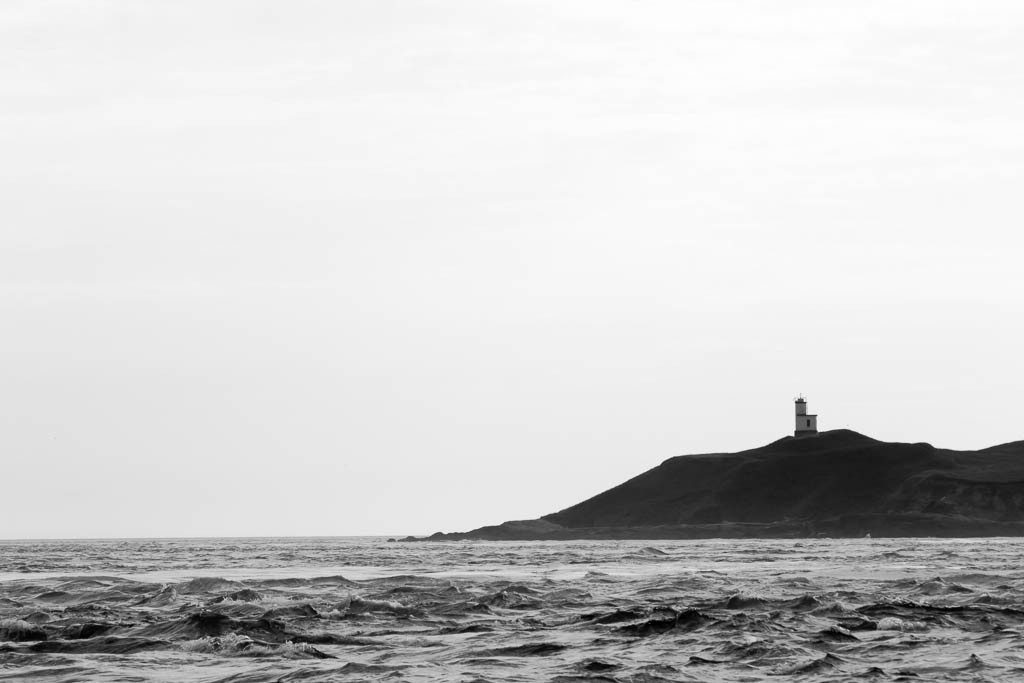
[[837, 482]]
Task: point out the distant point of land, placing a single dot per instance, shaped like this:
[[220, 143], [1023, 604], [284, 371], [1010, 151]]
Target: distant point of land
[[837, 483]]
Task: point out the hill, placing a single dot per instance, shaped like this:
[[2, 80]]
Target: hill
[[837, 483]]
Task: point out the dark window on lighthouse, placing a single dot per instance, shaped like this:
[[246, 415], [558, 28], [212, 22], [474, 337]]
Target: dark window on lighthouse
[[808, 423]]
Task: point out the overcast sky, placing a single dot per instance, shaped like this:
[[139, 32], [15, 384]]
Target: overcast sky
[[399, 267]]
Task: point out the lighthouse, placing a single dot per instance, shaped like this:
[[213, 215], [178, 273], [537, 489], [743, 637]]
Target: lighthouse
[[806, 425]]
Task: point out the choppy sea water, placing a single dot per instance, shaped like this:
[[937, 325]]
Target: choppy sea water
[[278, 609]]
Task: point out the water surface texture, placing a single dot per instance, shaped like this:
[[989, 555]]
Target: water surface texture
[[254, 610]]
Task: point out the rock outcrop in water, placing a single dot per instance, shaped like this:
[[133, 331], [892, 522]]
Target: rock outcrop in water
[[838, 483]]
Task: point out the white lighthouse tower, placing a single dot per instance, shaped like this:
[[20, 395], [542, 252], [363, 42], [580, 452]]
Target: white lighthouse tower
[[806, 425]]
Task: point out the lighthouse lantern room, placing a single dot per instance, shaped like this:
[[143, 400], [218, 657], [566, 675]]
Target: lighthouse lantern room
[[806, 425]]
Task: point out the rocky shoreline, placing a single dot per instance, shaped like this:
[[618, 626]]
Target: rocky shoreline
[[852, 526]]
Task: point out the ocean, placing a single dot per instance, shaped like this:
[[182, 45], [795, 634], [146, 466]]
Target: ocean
[[254, 610]]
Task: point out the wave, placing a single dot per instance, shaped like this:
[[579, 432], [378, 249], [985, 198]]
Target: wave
[[514, 611], [17, 630], [243, 646]]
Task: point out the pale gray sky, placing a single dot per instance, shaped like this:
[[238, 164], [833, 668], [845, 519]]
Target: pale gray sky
[[398, 267]]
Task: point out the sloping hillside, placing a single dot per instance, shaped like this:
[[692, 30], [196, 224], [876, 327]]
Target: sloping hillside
[[838, 482]]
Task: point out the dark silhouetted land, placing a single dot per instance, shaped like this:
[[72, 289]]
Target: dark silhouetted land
[[838, 483]]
